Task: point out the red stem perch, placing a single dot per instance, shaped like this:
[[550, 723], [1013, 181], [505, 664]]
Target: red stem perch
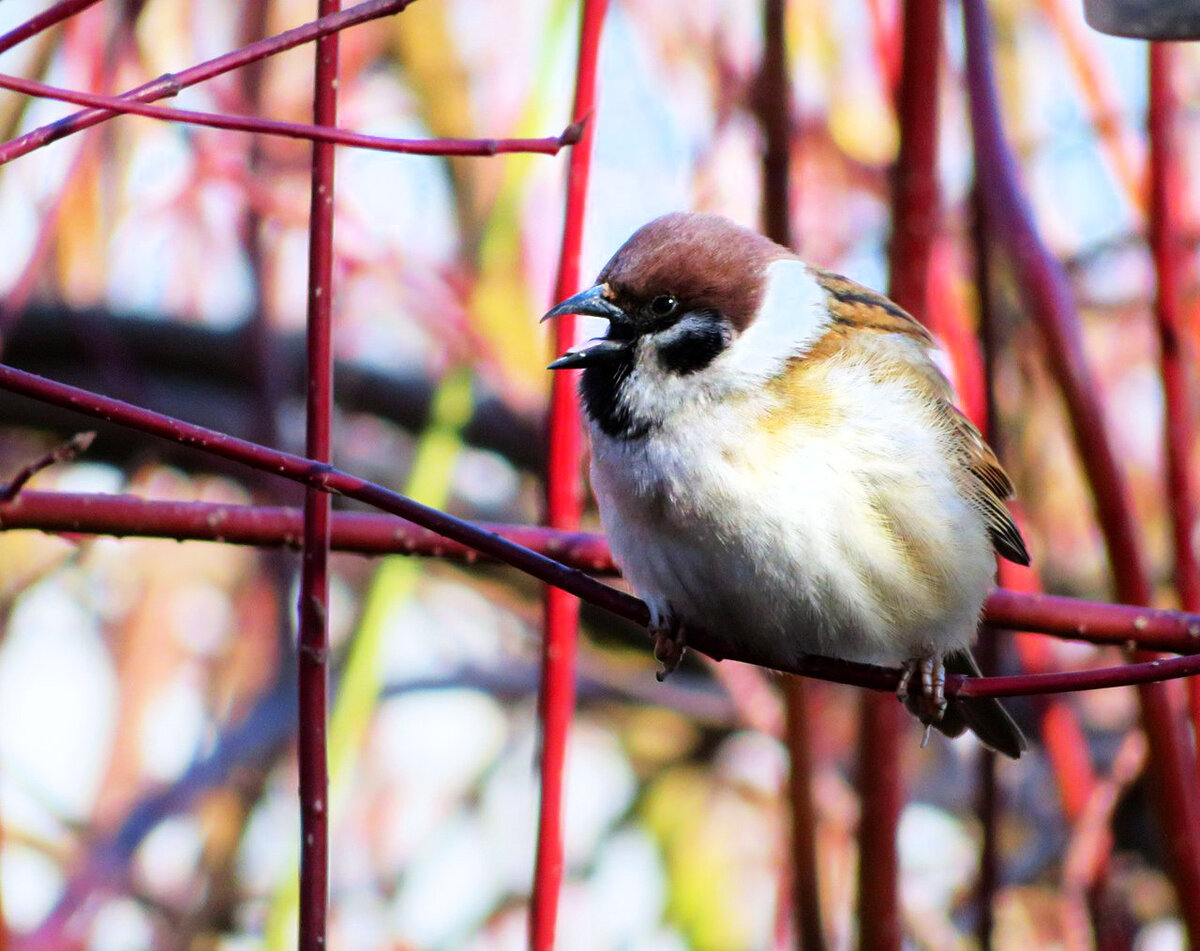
[[915, 200], [313, 653], [43, 21], [564, 505], [64, 452], [1103, 622], [915, 215], [375, 534], [1028, 685], [981, 371], [171, 83], [1167, 204], [1048, 297], [547, 145], [364, 533]]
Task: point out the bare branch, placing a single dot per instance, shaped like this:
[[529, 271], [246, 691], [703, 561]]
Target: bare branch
[[61, 453]]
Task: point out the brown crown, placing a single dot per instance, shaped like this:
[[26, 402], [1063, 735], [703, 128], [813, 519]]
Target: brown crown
[[704, 261]]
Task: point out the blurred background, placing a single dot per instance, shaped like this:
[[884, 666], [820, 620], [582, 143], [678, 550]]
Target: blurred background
[[147, 705]]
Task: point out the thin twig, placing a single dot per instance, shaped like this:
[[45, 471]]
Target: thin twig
[[1168, 200], [364, 533], [915, 214], [313, 636], [547, 145], [171, 84], [564, 506], [64, 452], [1093, 73], [43, 21]]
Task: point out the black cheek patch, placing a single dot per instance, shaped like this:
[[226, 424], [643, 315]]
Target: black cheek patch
[[693, 343], [600, 389]]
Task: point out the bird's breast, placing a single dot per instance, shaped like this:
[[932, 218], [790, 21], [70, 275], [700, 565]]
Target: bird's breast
[[824, 502]]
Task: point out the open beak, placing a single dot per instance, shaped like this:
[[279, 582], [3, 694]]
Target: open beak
[[591, 303]]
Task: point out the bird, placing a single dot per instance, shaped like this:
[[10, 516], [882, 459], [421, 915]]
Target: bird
[[777, 460]]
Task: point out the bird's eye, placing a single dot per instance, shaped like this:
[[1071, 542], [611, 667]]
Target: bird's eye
[[663, 305]]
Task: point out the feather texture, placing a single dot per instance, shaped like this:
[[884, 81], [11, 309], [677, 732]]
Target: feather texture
[[857, 308]]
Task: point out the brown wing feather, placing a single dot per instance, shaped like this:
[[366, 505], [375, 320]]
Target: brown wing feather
[[852, 304], [855, 307], [990, 486]]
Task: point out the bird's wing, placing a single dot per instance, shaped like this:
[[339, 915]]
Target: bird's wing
[[852, 304], [987, 484]]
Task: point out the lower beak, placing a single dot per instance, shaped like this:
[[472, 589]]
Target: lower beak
[[593, 302], [596, 351]]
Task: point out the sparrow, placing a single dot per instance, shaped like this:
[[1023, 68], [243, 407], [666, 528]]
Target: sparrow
[[778, 460]]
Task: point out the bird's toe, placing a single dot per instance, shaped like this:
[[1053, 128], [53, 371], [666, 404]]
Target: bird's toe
[[669, 643], [929, 672]]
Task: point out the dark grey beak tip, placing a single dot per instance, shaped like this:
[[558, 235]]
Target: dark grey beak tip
[[558, 310], [589, 303]]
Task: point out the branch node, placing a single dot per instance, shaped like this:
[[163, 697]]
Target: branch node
[[170, 85], [64, 452], [574, 132]]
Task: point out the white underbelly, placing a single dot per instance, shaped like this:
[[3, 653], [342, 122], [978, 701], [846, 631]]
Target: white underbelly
[[870, 557]]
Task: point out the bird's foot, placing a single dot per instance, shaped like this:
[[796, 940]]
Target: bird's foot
[[669, 643], [930, 706]]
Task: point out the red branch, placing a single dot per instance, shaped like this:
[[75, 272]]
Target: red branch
[[1048, 296], [564, 505], [1104, 623], [915, 216], [1167, 203], [1028, 685], [980, 371], [549, 145], [773, 108], [916, 207], [43, 21], [1092, 621], [374, 534], [313, 659], [63, 452], [1168, 199], [171, 83], [363, 533]]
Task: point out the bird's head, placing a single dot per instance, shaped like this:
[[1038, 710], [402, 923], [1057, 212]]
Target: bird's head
[[696, 306]]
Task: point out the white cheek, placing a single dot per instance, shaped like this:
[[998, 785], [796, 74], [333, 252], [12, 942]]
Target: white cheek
[[655, 393], [793, 315]]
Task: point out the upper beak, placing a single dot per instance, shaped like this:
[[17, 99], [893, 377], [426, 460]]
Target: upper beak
[[590, 303]]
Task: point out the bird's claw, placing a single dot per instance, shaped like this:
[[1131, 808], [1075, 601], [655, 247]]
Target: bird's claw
[[669, 644], [931, 705]]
